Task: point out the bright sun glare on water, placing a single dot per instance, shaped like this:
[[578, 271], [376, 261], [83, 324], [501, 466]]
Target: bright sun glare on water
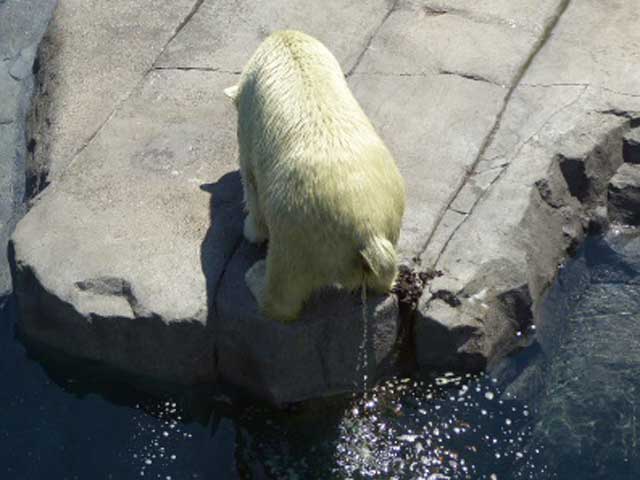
[[457, 427]]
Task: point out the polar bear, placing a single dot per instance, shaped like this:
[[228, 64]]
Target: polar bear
[[318, 181]]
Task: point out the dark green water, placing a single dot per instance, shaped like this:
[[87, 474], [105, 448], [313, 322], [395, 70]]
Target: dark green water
[[565, 408]]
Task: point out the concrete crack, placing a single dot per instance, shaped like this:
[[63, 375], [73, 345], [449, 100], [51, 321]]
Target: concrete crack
[[370, 40], [434, 11], [562, 7], [187, 69], [628, 114], [461, 212], [570, 84], [470, 76], [187, 19], [545, 123], [393, 74], [198, 69], [466, 216], [550, 85], [625, 94], [477, 172]]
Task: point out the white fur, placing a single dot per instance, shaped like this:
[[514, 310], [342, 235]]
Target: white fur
[[231, 92], [318, 181]]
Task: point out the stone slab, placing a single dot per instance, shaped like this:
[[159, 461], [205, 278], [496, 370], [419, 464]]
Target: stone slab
[[136, 233], [224, 34], [95, 54], [415, 40], [423, 142]]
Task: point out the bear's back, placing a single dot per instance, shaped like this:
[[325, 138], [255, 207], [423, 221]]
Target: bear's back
[[293, 88], [312, 148]]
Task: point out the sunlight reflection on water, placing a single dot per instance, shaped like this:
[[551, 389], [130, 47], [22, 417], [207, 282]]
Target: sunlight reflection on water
[[158, 438], [456, 427], [451, 427]]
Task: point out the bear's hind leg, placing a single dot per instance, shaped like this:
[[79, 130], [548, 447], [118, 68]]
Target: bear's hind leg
[[287, 286]]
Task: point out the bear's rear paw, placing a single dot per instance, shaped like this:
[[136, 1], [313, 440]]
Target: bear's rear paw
[[255, 278], [252, 232]]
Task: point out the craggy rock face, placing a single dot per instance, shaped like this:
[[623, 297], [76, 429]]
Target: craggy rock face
[[539, 180], [506, 130], [22, 27]]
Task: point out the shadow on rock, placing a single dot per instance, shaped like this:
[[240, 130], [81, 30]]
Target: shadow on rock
[[224, 234]]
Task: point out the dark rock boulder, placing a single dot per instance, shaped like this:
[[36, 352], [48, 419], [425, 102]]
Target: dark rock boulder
[[624, 195]]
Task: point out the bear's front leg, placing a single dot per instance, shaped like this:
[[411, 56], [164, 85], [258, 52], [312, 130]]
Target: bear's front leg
[[288, 282], [254, 231], [278, 287], [255, 278]]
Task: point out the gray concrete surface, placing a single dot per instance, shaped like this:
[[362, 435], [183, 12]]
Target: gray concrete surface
[[507, 122], [95, 54]]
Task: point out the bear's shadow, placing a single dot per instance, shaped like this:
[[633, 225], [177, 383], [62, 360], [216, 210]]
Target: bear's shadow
[[224, 235]]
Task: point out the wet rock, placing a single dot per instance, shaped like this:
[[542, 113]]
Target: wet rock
[[624, 195], [411, 283], [448, 340]]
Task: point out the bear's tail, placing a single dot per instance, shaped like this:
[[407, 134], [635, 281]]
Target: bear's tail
[[380, 264]]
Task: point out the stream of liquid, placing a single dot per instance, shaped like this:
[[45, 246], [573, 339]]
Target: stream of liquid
[[363, 360]]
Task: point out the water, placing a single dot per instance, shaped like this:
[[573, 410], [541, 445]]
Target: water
[[566, 408], [589, 401], [452, 427], [59, 426]]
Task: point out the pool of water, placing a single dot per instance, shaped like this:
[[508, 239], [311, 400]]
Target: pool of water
[[564, 408]]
